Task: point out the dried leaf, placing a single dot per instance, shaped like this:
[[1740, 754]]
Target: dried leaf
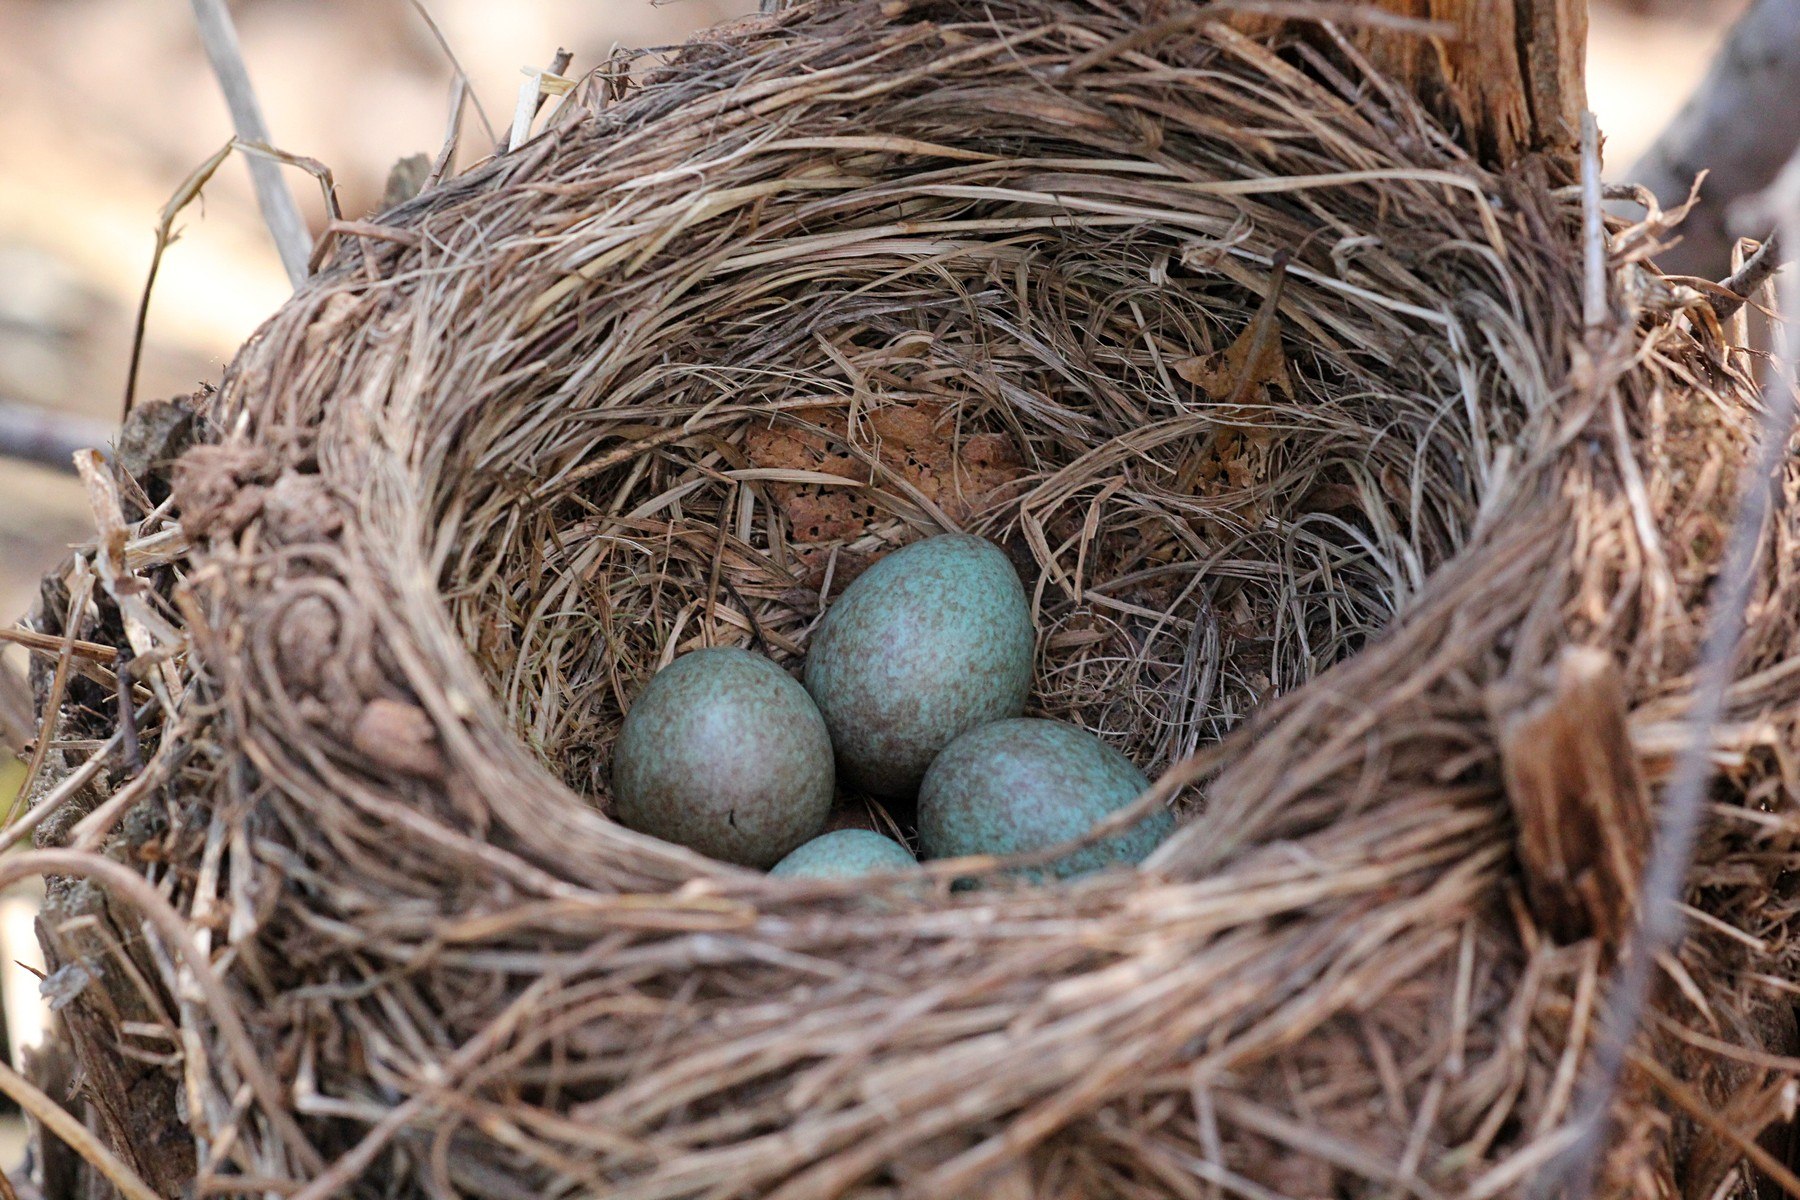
[[1243, 371], [919, 443], [1242, 379]]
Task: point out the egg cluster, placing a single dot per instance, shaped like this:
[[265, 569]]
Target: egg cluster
[[914, 686]]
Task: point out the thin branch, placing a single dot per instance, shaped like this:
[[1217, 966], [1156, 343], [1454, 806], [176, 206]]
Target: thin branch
[[1665, 880], [261, 155], [1594, 307], [456, 65], [36, 435], [79, 593], [558, 65], [459, 91], [280, 211], [133, 759], [51, 644], [20, 825], [1743, 282], [184, 195], [537, 86]]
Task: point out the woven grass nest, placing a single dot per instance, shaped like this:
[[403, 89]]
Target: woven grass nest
[[1334, 512]]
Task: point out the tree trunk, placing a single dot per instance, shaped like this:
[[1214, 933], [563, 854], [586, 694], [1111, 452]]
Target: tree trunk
[[1512, 77]]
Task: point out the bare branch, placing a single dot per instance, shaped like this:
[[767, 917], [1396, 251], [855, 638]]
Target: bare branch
[[1743, 282], [165, 234], [49, 439], [1736, 127], [279, 208], [1595, 309]]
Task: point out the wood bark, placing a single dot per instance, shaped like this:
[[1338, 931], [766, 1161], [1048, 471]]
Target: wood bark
[[108, 985], [1511, 78], [1738, 126]]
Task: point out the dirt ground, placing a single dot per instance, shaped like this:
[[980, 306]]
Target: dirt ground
[[110, 105]]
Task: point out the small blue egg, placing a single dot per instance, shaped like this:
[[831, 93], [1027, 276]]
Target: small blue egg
[[1016, 786], [845, 853]]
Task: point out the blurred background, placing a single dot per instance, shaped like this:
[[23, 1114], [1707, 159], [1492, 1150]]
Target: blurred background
[[110, 105]]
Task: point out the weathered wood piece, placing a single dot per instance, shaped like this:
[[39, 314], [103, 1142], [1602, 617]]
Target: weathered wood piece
[[1582, 810], [1512, 77]]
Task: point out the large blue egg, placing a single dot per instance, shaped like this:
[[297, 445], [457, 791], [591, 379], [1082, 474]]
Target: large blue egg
[[724, 753], [933, 640], [1023, 785]]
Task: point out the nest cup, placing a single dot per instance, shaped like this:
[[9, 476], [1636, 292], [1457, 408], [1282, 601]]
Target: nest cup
[[1285, 410]]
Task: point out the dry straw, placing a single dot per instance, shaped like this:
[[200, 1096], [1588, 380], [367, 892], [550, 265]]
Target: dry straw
[[1331, 504]]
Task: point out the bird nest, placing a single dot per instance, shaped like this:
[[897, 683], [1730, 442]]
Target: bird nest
[[1336, 515]]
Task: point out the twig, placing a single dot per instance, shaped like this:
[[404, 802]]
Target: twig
[[279, 209], [756, 631], [59, 682], [90, 833], [67, 786], [558, 64], [1665, 881], [74, 1134], [456, 65], [1743, 282], [538, 85], [311, 166], [130, 757], [184, 195], [17, 831], [31, 639], [1593, 228], [459, 91]]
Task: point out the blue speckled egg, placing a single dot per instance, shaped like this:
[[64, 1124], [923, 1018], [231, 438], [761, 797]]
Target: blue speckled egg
[[931, 641], [724, 753], [1022, 785], [845, 853]]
